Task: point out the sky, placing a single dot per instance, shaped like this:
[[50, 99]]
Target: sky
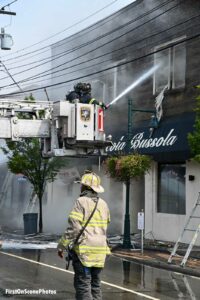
[[38, 19]]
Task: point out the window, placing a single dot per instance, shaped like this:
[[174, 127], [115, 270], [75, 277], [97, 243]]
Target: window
[[172, 63], [171, 189]]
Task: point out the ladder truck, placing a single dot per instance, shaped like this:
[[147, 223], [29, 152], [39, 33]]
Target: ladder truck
[[65, 128]]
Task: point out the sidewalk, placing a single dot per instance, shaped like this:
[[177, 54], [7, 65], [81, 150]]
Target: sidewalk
[[158, 259]]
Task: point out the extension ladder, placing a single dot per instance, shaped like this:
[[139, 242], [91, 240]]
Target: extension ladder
[[185, 229]]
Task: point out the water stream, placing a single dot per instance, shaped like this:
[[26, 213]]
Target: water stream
[[134, 84]]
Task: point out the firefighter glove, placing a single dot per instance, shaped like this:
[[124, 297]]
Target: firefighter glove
[[60, 253], [103, 105]]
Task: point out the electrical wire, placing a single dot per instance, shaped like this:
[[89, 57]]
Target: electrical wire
[[98, 38], [111, 32], [70, 72], [127, 46], [50, 57], [106, 69], [79, 47], [8, 5], [113, 51], [69, 27], [16, 83], [86, 67], [194, 83]]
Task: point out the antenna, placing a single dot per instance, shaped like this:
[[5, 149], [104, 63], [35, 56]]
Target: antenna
[[47, 94]]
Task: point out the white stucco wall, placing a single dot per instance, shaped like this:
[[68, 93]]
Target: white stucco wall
[[61, 198], [167, 227], [136, 202]]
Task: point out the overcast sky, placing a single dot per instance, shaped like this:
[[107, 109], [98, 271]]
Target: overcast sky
[[39, 19]]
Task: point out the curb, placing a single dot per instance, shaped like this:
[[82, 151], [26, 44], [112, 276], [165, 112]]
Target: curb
[[160, 265]]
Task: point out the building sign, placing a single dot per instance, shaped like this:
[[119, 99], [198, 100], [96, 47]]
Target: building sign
[[140, 142], [140, 223], [169, 139]]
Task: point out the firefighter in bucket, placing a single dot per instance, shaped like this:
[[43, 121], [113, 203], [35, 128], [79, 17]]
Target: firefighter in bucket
[[82, 93]]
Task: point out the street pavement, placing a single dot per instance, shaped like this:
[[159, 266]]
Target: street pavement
[[121, 279]]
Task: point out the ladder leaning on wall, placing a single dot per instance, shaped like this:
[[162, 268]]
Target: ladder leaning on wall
[[185, 229]]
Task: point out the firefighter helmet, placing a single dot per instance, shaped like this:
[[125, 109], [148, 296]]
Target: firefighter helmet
[[82, 87], [87, 87], [91, 180], [78, 87]]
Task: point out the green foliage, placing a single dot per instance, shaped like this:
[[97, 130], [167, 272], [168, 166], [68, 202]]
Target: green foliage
[[30, 98], [126, 167], [28, 115], [24, 157], [194, 137]]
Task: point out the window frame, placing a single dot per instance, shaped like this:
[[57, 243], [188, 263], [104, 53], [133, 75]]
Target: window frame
[[158, 188], [168, 45]]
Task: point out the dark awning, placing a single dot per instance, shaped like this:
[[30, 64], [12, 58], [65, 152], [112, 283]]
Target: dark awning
[[167, 143]]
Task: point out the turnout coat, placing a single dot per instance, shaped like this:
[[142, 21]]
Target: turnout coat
[[91, 247]]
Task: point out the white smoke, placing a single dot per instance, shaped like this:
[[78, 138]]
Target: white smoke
[[135, 83]]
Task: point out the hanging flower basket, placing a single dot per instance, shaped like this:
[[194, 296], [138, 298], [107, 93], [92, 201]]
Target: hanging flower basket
[[126, 167]]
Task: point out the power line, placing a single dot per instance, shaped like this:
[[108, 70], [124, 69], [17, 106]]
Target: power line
[[105, 61], [106, 69], [108, 73], [116, 29], [101, 62], [108, 33], [7, 5], [113, 51], [94, 65], [100, 37], [16, 83], [69, 27]]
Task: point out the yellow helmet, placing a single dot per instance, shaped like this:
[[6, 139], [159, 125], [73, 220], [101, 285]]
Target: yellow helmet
[[93, 181]]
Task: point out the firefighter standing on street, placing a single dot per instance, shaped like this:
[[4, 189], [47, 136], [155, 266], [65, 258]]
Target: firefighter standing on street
[[89, 252], [82, 92]]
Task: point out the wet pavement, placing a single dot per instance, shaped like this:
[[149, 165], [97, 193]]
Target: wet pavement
[[121, 279]]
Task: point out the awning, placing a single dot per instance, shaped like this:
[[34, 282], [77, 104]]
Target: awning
[[168, 142]]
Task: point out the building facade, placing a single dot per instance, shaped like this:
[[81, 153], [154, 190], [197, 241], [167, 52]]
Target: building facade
[[119, 51]]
